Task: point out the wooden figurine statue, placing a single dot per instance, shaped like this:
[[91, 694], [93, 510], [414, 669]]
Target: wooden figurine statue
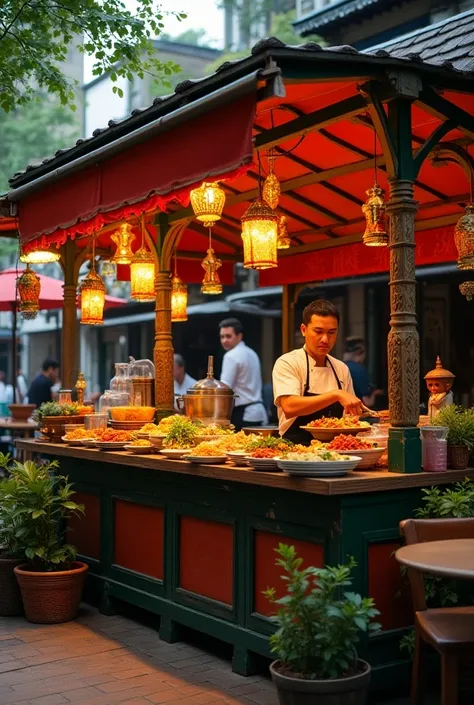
[[439, 382], [81, 385]]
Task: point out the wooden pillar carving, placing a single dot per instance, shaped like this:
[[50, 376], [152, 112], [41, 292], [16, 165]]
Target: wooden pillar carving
[[163, 349], [403, 341]]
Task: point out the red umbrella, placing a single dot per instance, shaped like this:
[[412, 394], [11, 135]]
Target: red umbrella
[[51, 297]]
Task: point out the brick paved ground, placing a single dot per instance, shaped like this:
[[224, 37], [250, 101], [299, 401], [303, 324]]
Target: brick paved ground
[[98, 660]]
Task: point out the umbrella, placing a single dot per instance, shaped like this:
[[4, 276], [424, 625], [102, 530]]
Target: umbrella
[[51, 297]]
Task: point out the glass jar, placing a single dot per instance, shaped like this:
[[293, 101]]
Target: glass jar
[[142, 377], [111, 398], [434, 448], [65, 396], [93, 422], [121, 381]]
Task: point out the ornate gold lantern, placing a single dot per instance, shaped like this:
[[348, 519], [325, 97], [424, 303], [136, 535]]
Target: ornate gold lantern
[[211, 284], [179, 298], [208, 202], [467, 290], [464, 239], [284, 241], [142, 272], [39, 257], [271, 186], [92, 291], [260, 236], [123, 238], [29, 287], [375, 234]]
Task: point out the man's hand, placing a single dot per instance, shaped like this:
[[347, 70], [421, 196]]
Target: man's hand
[[352, 405]]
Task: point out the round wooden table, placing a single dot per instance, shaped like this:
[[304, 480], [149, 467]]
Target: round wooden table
[[449, 559]]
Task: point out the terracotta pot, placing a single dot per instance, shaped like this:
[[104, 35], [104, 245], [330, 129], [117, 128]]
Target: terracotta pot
[[343, 691], [53, 426], [51, 598], [10, 595], [458, 457], [21, 412]]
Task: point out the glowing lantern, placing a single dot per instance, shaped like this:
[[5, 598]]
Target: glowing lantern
[[123, 238], [271, 186], [284, 241], [464, 239], [29, 288], [142, 272], [211, 284], [39, 257], [375, 234], [179, 300], [208, 202], [260, 236], [92, 291]]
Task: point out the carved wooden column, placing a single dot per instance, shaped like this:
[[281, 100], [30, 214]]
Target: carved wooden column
[[163, 350], [403, 340], [69, 336]]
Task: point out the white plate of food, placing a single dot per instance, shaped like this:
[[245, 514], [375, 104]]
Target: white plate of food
[[312, 465], [263, 464], [369, 457], [156, 440], [326, 433], [139, 450], [175, 453], [72, 442], [142, 434], [206, 459], [238, 457], [89, 442], [110, 445]]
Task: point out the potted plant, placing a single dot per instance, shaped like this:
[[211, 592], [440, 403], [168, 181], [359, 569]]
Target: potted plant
[[319, 626], [52, 416], [10, 552], [460, 424], [39, 502]]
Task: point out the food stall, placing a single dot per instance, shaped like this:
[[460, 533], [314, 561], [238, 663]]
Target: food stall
[[193, 542]]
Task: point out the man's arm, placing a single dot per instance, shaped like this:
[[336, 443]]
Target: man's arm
[[302, 406], [229, 370]]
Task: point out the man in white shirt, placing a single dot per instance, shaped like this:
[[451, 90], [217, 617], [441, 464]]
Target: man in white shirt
[[241, 370], [308, 383], [182, 381]]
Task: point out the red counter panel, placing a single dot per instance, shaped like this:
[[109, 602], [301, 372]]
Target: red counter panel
[[139, 536], [84, 530]]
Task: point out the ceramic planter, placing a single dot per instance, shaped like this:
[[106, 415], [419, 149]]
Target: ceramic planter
[[10, 595], [51, 598], [343, 691], [458, 457]]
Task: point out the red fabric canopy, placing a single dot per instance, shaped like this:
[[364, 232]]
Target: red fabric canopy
[[143, 177], [432, 247], [190, 271]]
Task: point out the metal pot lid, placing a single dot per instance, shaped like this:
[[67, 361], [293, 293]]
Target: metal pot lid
[[209, 385]]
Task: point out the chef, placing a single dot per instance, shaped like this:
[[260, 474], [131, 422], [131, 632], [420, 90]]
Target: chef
[[308, 383]]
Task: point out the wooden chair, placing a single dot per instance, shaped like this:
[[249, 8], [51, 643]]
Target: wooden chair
[[449, 630]]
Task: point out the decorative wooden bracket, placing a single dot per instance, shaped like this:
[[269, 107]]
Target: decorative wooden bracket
[[445, 110], [450, 152]]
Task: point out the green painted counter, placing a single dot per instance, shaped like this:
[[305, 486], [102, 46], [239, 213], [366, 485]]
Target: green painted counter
[[194, 543]]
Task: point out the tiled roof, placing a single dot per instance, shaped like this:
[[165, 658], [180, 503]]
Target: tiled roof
[[335, 14], [449, 40]]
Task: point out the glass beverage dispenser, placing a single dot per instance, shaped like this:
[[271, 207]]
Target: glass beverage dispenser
[[142, 378]]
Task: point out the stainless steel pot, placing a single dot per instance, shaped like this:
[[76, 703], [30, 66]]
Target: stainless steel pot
[[208, 401]]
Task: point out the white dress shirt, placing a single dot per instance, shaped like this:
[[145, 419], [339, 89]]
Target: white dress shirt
[[241, 370], [182, 388], [289, 379]]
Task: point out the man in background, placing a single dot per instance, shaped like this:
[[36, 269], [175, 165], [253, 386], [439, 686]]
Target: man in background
[[354, 357], [182, 381], [40, 388], [241, 370]]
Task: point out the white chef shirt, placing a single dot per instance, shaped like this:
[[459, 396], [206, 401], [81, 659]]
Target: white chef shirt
[[182, 388], [241, 371], [289, 379]]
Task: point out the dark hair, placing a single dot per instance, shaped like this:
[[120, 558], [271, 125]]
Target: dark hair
[[49, 362], [354, 344], [179, 360], [320, 307], [232, 323]]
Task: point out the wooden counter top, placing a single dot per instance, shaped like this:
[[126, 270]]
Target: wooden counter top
[[353, 483]]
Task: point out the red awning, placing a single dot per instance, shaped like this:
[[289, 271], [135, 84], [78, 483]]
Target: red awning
[[143, 177]]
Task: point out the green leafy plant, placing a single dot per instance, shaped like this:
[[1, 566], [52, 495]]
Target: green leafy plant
[[35, 503], [182, 433], [460, 424], [53, 408], [318, 626], [269, 442]]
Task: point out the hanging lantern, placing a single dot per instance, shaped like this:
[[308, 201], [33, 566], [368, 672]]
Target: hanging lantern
[[211, 284], [179, 300], [284, 241], [208, 202], [375, 234], [271, 186], [92, 291], [260, 236], [108, 269], [29, 287], [467, 290], [142, 272], [464, 239], [39, 257], [123, 238]]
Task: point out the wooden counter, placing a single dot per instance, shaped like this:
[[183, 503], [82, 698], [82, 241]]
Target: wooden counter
[[353, 483], [195, 544]]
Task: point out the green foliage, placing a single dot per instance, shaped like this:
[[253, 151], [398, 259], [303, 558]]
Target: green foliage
[[36, 131], [35, 503], [269, 442], [53, 408], [318, 628], [196, 37], [460, 424], [182, 433], [35, 36]]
